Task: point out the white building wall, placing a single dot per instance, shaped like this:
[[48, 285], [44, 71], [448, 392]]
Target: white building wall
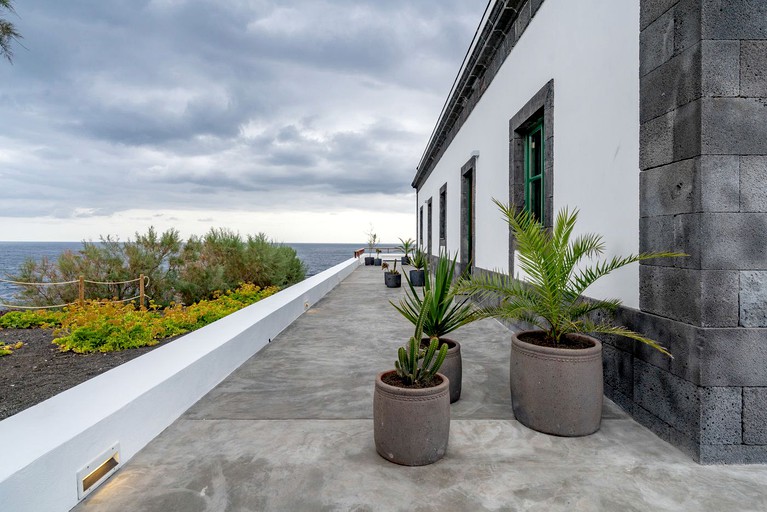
[[591, 50]]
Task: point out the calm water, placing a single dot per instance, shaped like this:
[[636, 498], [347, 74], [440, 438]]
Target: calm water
[[316, 257]]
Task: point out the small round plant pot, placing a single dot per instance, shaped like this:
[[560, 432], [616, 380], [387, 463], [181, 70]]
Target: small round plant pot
[[411, 426], [557, 390], [452, 367], [369, 260], [392, 280], [417, 277]]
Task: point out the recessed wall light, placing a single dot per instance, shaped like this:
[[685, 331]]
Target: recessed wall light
[[97, 471]]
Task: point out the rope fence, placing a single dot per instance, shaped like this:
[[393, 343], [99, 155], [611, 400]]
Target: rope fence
[[81, 282]]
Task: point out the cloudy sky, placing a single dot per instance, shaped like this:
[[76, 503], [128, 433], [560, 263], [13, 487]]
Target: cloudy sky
[[303, 119]]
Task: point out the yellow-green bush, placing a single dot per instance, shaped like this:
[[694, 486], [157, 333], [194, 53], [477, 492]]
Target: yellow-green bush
[[103, 326], [7, 349]]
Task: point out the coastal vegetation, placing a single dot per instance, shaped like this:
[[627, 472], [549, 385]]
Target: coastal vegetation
[[178, 272], [190, 284], [105, 326]]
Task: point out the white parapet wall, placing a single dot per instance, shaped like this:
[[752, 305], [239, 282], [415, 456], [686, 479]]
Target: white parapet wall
[[45, 446]]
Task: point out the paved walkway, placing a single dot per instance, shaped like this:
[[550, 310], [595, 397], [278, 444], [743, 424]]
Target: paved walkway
[[292, 430]]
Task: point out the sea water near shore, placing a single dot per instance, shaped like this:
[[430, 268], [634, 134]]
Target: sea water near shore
[[316, 257]]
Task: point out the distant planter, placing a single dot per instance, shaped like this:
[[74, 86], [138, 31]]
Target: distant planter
[[369, 260], [393, 279], [377, 262], [417, 277], [405, 260]]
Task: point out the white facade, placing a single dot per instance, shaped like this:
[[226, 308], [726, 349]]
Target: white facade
[[590, 49]]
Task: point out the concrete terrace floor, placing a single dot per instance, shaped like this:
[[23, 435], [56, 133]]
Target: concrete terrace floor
[[292, 430]]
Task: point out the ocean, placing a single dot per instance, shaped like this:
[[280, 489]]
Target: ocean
[[316, 258]]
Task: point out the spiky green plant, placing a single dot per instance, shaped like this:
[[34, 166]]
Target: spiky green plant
[[419, 260], [406, 246], [557, 275], [443, 313], [414, 364]]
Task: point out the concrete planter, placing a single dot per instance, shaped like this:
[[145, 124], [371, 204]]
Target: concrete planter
[[411, 426], [452, 368], [417, 277], [377, 262], [554, 390], [369, 260], [393, 280], [405, 260]]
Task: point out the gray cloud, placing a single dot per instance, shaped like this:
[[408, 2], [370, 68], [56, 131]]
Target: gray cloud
[[202, 104]]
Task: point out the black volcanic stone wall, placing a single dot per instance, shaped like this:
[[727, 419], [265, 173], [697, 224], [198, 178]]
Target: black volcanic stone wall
[[703, 191]]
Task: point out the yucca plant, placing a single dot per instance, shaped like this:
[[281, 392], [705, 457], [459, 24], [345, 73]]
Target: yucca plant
[[442, 314], [406, 246], [419, 260], [415, 365], [557, 275]]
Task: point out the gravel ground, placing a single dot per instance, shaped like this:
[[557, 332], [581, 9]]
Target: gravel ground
[[38, 370]]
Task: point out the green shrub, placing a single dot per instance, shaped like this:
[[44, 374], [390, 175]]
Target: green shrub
[[30, 319], [102, 326], [189, 272], [7, 349]]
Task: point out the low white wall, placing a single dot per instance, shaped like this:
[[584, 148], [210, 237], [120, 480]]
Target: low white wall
[[44, 446]]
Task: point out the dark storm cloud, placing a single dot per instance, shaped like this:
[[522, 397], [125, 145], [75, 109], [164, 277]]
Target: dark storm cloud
[[119, 104]]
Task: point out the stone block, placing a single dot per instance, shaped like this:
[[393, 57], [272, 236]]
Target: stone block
[[671, 85], [733, 357], [734, 126], [687, 30], [648, 420], [671, 399], [670, 292], [618, 367], [755, 416], [656, 141], [753, 68], [523, 20], [753, 183], [686, 131], [721, 415], [657, 234], [720, 68], [669, 189], [733, 241], [733, 19], [687, 239], [720, 183], [651, 10], [679, 338], [753, 298], [732, 454], [719, 298], [656, 43], [535, 5]]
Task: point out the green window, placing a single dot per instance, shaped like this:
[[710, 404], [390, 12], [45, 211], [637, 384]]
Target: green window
[[534, 198]]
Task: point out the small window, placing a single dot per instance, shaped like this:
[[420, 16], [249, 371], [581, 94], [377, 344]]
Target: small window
[[428, 227], [443, 215], [420, 226], [533, 151]]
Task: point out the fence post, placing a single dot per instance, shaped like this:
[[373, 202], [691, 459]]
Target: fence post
[[141, 292], [82, 290]]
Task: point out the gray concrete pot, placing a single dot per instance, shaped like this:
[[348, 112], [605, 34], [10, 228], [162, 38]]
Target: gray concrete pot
[[392, 280], [405, 260], [369, 260], [555, 390], [452, 367], [411, 426], [417, 277], [377, 262]]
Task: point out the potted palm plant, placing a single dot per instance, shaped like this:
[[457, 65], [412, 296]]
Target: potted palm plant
[[372, 241], [377, 260], [406, 246], [556, 370], [417, 275], [441, 315], [392, 277], [411, 404]]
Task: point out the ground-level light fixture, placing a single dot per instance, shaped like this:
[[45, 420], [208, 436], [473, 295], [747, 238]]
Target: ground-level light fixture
[[97, 471]]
